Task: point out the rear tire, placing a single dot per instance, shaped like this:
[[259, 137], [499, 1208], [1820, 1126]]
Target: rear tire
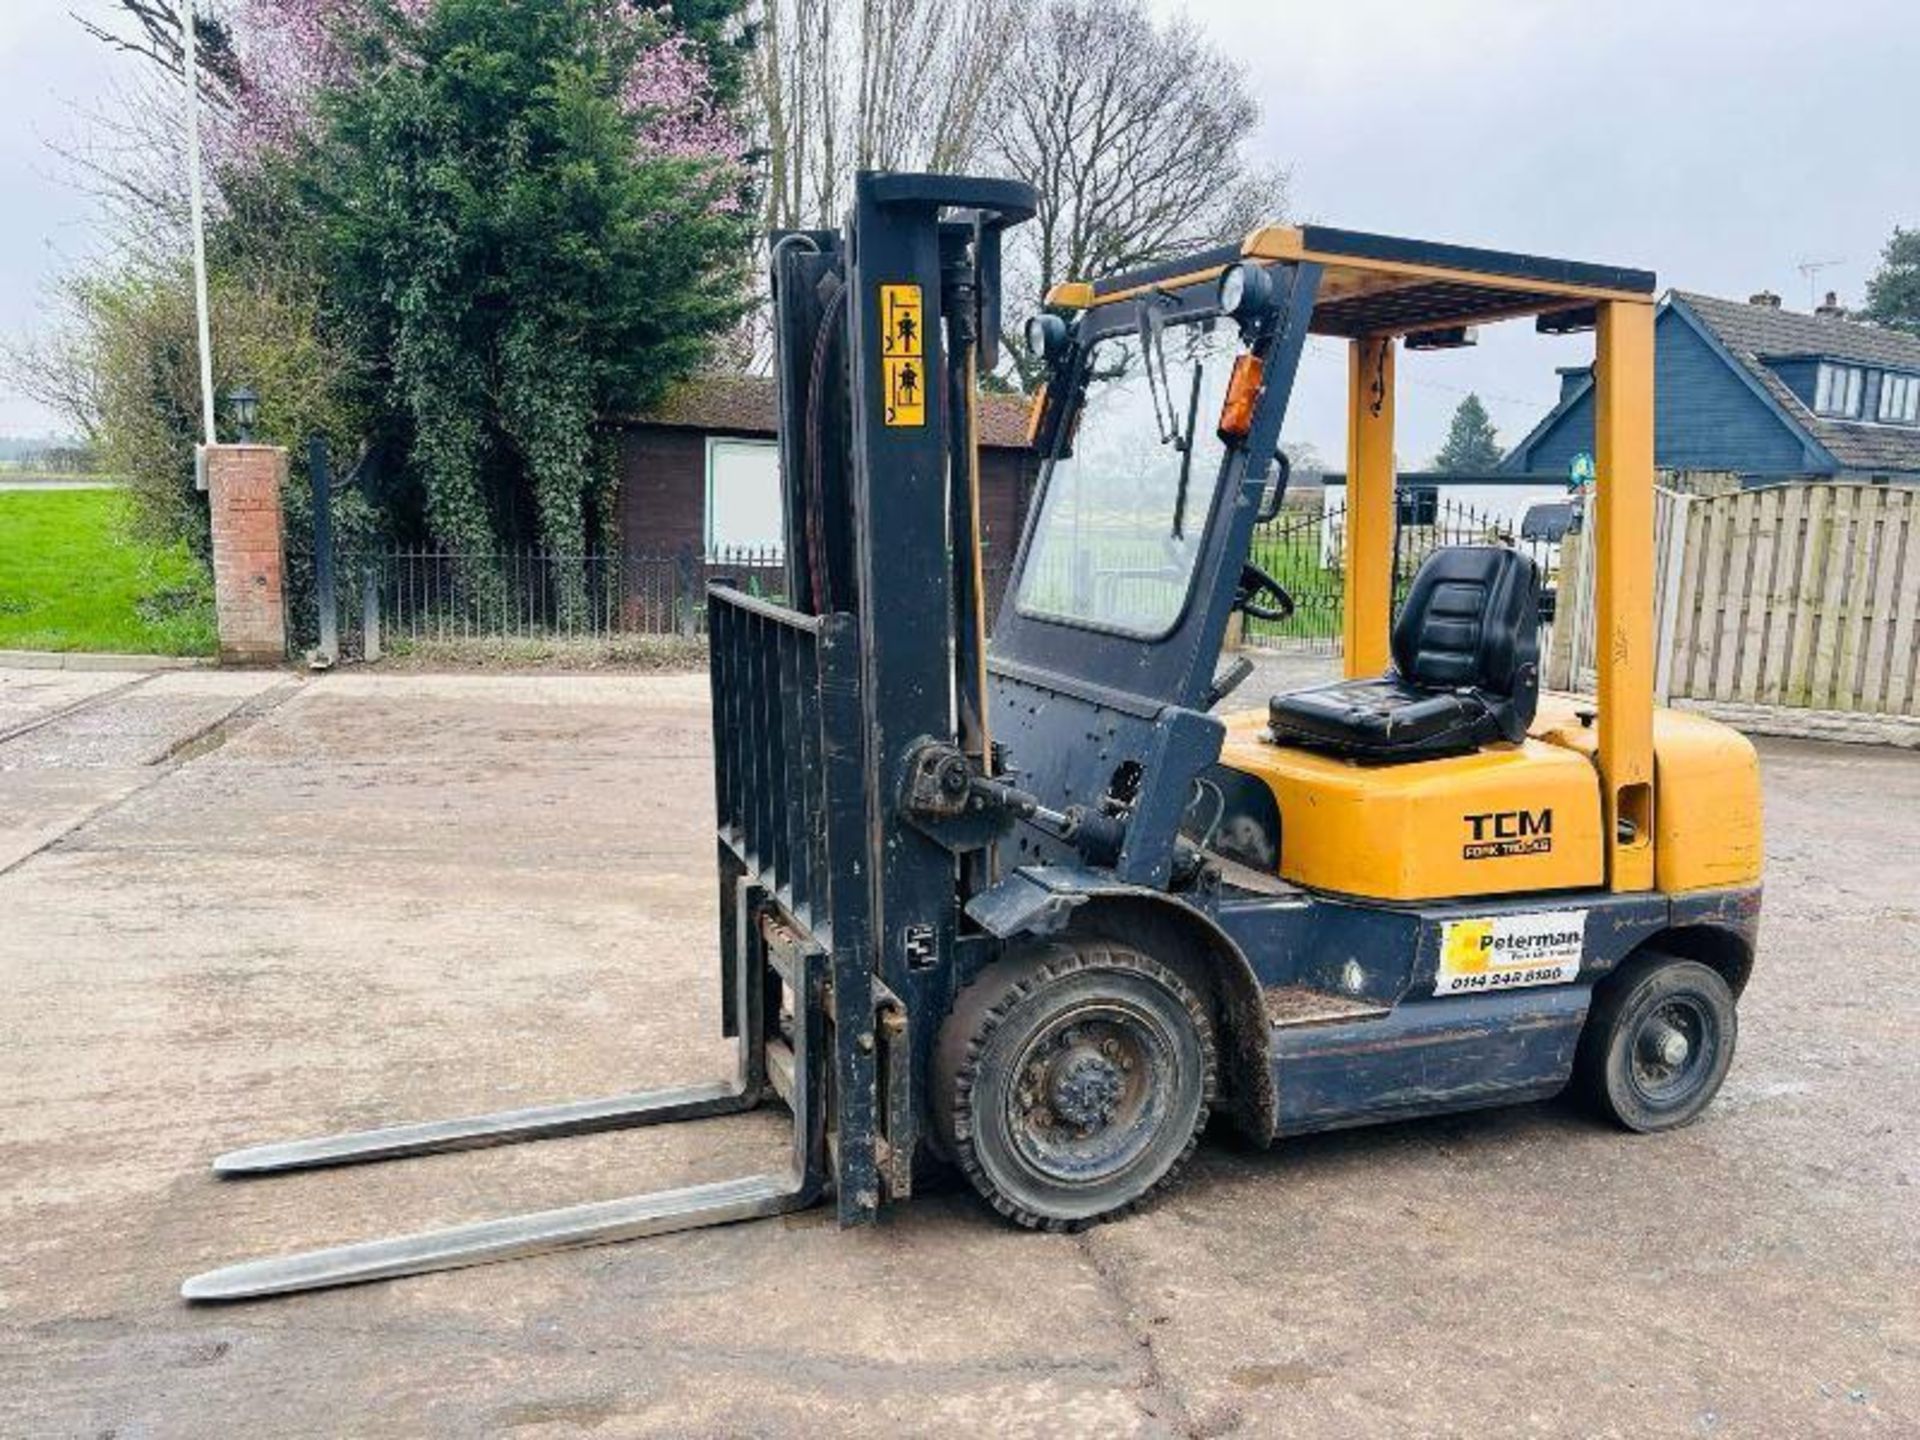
[[1657, 1042], [1073, 1080]]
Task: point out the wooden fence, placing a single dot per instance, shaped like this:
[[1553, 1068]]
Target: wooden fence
[[1803, 596]]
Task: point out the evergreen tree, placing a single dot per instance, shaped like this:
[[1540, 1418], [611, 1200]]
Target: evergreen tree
[[1893, 294], [528, 216], [1472, 448]]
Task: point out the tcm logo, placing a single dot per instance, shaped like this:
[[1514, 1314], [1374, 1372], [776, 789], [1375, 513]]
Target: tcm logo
[[1498, 833]]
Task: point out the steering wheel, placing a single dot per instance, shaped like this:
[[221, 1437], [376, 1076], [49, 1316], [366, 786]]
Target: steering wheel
[[1254, 582]]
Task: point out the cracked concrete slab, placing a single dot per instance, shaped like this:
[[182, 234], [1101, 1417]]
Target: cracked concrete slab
[[74, 743], [33, 697]]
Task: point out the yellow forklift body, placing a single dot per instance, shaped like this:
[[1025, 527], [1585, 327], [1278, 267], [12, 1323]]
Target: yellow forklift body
[[1506, 819], [1498, 821], [1707, 830]]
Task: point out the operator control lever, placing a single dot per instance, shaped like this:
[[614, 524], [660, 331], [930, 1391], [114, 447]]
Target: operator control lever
[[947, 798], [1098, 837], [1232, 680]]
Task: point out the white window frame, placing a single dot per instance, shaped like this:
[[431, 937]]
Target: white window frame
[[1899, 398], [1837, 391], [772, 547]]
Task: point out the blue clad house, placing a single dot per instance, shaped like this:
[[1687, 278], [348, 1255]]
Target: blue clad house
[[1760, 392]]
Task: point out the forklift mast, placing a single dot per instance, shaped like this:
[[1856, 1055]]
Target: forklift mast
[[870, 681], [850, 746]]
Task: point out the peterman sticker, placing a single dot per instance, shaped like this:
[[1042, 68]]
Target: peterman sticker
[[903, 366], [1505, 952]]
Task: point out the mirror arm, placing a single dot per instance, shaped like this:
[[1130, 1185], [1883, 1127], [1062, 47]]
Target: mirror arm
[[1186, 457]]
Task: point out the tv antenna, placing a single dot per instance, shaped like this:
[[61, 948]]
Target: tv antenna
[[1811, 268]]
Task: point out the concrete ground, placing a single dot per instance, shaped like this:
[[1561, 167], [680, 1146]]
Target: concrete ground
[[235, 908]]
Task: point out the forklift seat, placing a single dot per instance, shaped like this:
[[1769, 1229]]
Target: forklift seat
[[1466, 667]]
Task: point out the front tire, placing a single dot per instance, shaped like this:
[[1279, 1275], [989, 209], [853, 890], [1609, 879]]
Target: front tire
[[1657, 1042], [1073, 1080]]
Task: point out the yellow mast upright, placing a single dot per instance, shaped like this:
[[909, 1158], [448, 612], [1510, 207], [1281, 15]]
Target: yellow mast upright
[[1368, 571], [1623, 589]]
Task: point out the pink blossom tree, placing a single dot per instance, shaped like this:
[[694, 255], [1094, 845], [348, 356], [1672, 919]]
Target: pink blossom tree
[[291, 52]]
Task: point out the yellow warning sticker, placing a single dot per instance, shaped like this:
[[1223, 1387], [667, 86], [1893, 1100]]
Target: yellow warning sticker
[[906, 404], [902, 355], [1504, 952]]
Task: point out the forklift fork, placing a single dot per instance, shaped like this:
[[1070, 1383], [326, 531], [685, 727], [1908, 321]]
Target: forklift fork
[[790, 1067]]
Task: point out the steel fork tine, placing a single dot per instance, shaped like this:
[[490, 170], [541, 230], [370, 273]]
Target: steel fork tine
[[602, 1223], [653, 1107]]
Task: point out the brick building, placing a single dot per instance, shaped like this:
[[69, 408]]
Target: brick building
[[699, 473]]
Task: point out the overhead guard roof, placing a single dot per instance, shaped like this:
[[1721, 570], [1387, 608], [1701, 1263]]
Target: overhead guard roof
[[1384, 284]]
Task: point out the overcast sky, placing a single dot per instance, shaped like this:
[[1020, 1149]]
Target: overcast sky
[[1717, 142], [49, 71]]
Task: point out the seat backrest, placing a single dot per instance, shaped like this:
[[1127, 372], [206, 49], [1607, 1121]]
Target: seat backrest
[[1472, 621]]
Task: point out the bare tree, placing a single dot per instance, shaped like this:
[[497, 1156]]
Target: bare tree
[[154, 35], [60, 364], [126, 151], [881, 85], [1135, 134]]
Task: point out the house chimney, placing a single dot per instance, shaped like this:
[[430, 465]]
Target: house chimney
[[1766, 299], [1570, 377], [1832, 309]]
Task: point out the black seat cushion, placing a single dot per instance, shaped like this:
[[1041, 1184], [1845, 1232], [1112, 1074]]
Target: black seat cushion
[[1466, 653], [1385, 718]]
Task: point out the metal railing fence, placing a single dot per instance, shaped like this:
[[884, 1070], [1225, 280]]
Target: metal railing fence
[[399, 597], [395, 598]]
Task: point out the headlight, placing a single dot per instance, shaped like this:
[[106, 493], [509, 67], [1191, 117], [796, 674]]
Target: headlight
[[1245, 291], [1046, 337]]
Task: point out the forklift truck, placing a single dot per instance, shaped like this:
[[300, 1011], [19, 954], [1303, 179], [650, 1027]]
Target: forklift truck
[[1030, 907]]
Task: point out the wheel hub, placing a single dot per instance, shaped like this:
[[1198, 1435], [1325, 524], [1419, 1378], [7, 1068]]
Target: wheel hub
[[1088, 1094], [1665, 1044], [1670, 1049], [1086, 1091]]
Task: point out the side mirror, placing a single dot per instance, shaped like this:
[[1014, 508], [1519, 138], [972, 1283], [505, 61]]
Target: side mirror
[[1046, 338], [1277, 495]]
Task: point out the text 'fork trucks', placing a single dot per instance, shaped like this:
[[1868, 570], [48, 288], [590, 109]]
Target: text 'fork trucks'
[[1029, 906]]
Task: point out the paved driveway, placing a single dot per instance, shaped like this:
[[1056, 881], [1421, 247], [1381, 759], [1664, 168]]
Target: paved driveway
[[239, 908]]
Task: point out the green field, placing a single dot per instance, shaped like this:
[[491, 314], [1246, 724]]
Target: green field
[[71, 579]]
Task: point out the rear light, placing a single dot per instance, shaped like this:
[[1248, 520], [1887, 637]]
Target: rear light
[[1236, 415]]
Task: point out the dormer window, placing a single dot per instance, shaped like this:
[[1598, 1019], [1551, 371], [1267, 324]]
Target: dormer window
[[1900, 399], [1838, 391]]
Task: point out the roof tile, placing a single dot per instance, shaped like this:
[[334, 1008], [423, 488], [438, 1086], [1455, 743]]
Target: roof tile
[[1752, 331]]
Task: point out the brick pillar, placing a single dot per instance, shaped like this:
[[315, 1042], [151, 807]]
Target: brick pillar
[[249, 552]]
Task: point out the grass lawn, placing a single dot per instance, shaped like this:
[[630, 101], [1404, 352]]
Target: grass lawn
[[71, 580]]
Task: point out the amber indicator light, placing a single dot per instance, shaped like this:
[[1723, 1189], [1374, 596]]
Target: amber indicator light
[[1236, 415]]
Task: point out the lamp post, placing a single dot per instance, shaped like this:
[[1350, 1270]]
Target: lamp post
[[190, 73], [245, 404]]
